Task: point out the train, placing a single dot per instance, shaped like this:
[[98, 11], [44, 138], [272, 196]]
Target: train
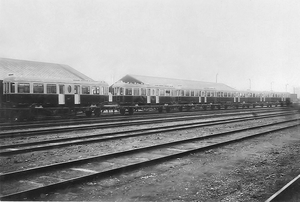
[[27, 98]]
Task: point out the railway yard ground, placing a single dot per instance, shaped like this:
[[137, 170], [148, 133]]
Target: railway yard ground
[[251, 170]]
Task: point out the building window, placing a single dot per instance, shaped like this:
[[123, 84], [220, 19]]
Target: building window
[[38, 88], [23, 88], [51, 88]]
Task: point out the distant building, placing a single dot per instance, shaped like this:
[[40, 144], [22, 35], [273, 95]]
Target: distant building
[[296, 94], [177, 83], [42, 70]]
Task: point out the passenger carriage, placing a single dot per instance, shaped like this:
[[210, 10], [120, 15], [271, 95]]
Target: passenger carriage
[[134, 92], [21, 95]]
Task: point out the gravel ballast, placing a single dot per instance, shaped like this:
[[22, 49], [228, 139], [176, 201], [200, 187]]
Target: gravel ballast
[[251, 171]]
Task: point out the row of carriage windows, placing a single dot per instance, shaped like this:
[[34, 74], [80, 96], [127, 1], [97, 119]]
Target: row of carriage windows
[[192, 93], [52, 89]]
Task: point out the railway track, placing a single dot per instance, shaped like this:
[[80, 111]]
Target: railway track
[[21, 148], [45, 131], [25, 184], [70, 122], [289, 192]]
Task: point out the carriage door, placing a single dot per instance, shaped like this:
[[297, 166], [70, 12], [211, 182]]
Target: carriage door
[[61, 95], [77, 94], [118, 91]]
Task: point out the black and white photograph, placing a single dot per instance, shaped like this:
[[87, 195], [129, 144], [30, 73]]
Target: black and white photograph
[[150, 100]]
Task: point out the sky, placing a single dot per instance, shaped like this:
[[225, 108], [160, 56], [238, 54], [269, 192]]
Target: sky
[[242, 43]]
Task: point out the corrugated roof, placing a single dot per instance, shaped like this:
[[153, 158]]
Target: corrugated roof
[[175, 82], [23, 68]]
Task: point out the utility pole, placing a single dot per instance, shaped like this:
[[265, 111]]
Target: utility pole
[[250, 84], [272, 86]]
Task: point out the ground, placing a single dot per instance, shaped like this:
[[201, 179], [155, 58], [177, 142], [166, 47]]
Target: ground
[[250, 171]]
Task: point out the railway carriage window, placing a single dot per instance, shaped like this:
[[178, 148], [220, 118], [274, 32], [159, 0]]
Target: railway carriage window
[[96, 90], [176, 92], [172, 92], [85, 90], [157, 92], [148, 92], [69, 89], [135, 91], [12, 87], [38, 88], [101, 90], [121, 91], [187, 92], [192, 93], [23, 88], [5, 87], [168, 92], [128, 91], [152, 92], [181, 93], [161, 92], [76, 89], [208, 94], [51, 88], [61, 89], [196, 93], [143, 91]]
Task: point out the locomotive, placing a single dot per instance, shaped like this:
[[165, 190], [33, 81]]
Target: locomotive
[[27, 98]]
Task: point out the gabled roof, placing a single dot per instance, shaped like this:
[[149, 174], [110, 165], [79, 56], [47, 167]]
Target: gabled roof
[[177, 83], [42, 70]]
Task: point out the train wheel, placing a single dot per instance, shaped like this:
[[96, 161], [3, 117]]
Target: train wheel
[[130, 111], [97, 112], [160, 109], [168, 109], [122, 112], [88, 113]]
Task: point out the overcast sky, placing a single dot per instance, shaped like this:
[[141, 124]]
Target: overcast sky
[[235, 41]]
